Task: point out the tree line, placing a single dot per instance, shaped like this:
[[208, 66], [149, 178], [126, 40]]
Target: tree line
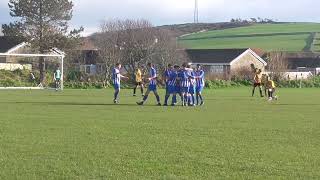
[[253, 20]]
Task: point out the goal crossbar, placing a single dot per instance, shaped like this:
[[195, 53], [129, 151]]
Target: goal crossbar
[[60, 56]]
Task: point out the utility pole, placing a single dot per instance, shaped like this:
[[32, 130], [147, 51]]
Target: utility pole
[[196, 12]]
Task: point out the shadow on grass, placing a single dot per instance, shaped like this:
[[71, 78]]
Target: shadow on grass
[[311, 104], [71, 104]]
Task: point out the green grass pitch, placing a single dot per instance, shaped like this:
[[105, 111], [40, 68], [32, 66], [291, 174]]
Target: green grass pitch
[[270, 37], [79, 134]]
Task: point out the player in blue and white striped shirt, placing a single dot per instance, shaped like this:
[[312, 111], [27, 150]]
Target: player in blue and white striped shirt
[[192, 88], [184, 77], [152, 85], [199, 73], [116, 81]]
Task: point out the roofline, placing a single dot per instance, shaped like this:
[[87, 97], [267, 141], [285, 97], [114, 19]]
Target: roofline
[[58, 51], [252, 53], [208, 49], [257, 56], [21, 45], [210, 64]]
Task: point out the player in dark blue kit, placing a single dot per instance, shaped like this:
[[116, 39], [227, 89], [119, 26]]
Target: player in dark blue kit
[[152, 85], [169, 72], [175, 85]]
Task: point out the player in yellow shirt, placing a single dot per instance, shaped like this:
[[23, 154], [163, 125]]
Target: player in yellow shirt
[[138, 81], [257, 80], [271, 87]]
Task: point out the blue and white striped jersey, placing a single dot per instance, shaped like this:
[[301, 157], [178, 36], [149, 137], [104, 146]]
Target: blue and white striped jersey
[[153, 76], [192, 79], [116, 76], [172, 81], [184, 76], [200, 79], [167, 76]]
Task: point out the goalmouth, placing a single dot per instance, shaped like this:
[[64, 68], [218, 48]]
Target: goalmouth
[[56, 56]]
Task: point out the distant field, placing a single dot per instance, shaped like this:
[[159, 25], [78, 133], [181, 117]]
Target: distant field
[[288, 36], [316, 45], [80, 134]]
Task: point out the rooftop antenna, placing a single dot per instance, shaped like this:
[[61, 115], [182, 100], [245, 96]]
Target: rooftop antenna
[[196, 12]]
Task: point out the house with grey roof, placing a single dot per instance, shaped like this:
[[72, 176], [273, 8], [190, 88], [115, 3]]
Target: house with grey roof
[[10, 45], [225, 62]]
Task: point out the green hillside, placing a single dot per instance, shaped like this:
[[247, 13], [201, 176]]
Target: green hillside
[[286, 36]]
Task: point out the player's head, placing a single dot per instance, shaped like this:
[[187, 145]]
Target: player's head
[[176, 67], [150, 65], [118, 65], [170, 66], [184, 65], [188, 66], [198, 67]]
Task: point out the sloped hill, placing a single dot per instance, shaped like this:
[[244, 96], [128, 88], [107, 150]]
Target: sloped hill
[[281, 36]]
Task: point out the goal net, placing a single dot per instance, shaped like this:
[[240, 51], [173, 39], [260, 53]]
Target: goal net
[[22, 71]]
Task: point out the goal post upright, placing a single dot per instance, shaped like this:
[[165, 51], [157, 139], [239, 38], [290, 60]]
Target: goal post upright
[[60, 57], [62, 76]]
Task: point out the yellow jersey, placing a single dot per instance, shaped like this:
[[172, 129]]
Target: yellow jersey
[[258, 77], [138, 75], [270, 84]]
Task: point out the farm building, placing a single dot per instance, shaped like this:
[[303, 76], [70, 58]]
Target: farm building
[[301, 65], [9, 45], [87, 60], [225, 62]]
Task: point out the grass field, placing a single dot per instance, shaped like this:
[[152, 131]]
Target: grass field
[[79, 134], [288, 36]]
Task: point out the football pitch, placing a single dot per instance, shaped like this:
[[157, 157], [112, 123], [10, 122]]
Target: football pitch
[[80, 134]]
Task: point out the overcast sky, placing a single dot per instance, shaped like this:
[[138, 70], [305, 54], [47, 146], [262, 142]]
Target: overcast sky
[[89, 13]]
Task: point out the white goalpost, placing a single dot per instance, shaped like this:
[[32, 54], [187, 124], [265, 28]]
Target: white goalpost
[[56, 54]]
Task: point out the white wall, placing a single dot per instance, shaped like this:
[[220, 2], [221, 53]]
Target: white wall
[[12, 67], [296, 75]]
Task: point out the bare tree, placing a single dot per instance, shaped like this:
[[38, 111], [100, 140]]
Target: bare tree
[[277, 64], [134, 42]]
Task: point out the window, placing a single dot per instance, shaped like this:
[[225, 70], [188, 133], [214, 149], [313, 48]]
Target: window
[[87, 70], [216, 69]]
